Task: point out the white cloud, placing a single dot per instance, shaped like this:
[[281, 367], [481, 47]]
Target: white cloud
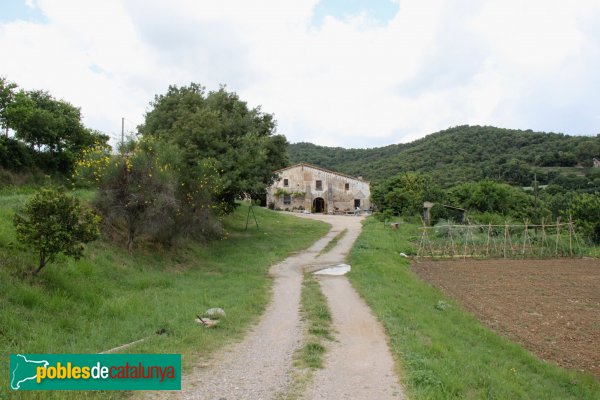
[[350, 82]]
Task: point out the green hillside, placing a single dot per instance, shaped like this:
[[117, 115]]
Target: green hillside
[[468, 153]]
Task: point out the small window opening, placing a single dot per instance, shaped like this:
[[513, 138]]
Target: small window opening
[[347, 186], [287, 199], [319, 185], [286, 183]]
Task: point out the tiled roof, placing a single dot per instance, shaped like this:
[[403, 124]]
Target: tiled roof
[[321, 169]]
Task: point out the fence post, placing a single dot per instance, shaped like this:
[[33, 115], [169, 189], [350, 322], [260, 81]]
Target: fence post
[[557, 236], [570, 235], [543, 237]]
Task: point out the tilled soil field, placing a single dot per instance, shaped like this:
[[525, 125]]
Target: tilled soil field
[[551, 307]]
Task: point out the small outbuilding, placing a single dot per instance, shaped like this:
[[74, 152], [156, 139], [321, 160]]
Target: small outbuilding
[[308, 187]]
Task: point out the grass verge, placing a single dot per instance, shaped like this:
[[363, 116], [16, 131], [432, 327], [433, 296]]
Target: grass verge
[[310, 356], [445, 352], [316, 312], [333, 242], [112, 297]]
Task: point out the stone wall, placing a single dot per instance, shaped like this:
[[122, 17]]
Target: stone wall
[[339, 192]]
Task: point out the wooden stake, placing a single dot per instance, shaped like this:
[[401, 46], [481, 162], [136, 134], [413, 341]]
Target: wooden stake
[[570, 235], [557, 236], [487, 243], [451, 241], [543, 237]]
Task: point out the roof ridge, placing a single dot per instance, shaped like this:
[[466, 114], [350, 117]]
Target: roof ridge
[[322, 169]]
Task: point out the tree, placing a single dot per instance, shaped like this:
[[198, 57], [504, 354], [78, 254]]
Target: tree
[[405, 193], [219, 129], [516, 172], [6, 97], [52, 223], [15, 155], [51, 127], [584, 209], [587, 212], [492, 197], [588, 150]]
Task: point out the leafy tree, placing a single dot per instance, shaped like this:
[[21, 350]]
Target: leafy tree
[[587, 150], [16, 156], [516, 172], [51, 127], [405, 193], [584, 208], [219, 129], [493, 197], [54, 223], [6, 97]]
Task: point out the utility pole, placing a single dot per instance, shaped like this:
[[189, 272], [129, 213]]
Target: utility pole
[[122, 134]]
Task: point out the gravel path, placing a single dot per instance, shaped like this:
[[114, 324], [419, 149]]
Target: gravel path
[[359, 364], [260, 367]]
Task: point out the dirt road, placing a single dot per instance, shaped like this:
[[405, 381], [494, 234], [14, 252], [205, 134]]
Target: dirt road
[[358, 364]]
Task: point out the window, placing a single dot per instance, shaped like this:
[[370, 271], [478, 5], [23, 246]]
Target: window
[[287, 199], [286, 183], [347, 186], [319, 185]]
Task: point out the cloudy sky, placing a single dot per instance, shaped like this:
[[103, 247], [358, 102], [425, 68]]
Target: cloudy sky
[[347, 73]]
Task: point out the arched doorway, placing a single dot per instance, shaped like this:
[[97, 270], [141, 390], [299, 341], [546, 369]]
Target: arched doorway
[[319, 205]]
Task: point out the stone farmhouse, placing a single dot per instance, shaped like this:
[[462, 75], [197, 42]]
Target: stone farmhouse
[[308, 187]]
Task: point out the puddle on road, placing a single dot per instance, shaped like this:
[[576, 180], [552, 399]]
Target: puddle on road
[[340, 269]]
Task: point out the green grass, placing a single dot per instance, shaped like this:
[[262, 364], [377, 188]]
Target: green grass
[[310, 356], [333, 242], [111, 297], [445, 352], [316, 312]]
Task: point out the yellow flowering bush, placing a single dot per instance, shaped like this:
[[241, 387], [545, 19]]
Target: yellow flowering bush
[[92, 165]]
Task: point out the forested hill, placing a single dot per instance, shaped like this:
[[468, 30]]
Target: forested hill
[[466, 153]]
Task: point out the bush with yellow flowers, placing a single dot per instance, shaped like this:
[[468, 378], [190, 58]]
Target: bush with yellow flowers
[[91, 165]]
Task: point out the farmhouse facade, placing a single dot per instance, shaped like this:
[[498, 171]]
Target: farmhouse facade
[[308, 187]]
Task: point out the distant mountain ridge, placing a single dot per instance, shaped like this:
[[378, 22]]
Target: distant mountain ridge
[[465, 153]]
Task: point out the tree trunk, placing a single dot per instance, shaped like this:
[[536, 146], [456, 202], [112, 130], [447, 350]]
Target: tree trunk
[[130, 236], [42, 263]]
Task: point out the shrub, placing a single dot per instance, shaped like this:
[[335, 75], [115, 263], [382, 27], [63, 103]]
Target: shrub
[[91, 165], [585, 211], [53, 223], [15, 155], [137, 196]]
